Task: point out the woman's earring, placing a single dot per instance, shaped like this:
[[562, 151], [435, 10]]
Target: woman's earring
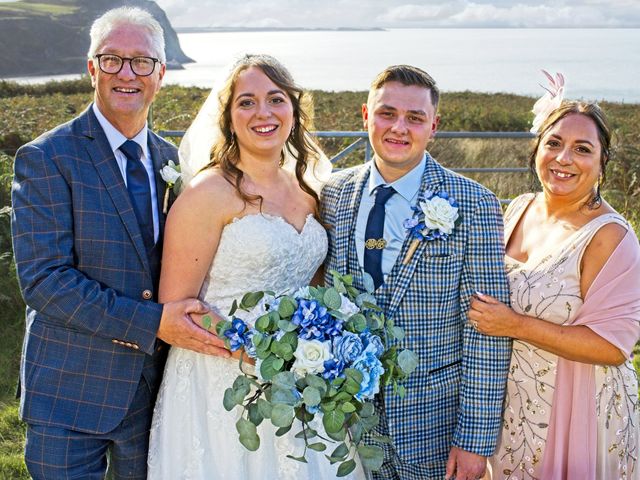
[[596, 200]]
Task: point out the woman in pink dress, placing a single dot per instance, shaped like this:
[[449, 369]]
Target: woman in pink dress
[[571, 407]]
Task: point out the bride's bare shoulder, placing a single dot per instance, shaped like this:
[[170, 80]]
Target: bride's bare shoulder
[[209, 194]]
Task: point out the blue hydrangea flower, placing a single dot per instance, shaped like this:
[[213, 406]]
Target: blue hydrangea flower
[[347, 347], [371, 369], [314, 321], [238, 335], [332, 369], [372, 343]]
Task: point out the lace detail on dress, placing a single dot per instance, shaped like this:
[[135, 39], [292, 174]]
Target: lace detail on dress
[[192, 435], [548, 287]]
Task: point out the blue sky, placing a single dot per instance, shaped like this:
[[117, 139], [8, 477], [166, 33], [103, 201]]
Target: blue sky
[[408, 14]]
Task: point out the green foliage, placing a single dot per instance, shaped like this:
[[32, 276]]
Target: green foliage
[[11, 443], [286, 390], [30, 110]]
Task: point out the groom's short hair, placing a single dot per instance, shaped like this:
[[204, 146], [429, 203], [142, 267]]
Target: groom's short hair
[[408, 75]]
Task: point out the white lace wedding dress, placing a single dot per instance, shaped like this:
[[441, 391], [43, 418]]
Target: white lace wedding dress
[[192, 435]]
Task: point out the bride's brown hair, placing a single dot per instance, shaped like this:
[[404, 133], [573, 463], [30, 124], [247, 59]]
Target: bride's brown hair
[[225, 153]]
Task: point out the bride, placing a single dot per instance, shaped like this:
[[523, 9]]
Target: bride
[[246, 222]]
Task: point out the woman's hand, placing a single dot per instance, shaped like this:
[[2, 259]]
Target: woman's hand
[[492, 317]]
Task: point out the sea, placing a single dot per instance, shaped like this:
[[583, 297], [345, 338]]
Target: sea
[[599, 64]]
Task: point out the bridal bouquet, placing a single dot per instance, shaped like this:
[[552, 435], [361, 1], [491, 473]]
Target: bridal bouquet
[[318, 352]]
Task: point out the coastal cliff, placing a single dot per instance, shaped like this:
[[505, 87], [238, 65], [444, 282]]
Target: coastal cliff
[[52, 38]]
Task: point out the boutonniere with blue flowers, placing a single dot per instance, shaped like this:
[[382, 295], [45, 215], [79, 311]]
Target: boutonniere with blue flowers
[[436, 214], [172, 176]]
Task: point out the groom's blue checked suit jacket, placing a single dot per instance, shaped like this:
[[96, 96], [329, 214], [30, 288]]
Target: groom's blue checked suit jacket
[[455, 395], [84, 274]]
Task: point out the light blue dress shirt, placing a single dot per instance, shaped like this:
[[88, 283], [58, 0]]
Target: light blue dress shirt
[[397, 210], [115, 139]]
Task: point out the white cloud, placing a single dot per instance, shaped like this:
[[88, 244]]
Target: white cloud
[[413, 13]]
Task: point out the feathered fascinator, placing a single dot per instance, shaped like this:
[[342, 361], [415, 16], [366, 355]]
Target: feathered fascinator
[[549, 101]]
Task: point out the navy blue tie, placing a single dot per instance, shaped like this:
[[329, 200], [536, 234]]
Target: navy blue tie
[[139, 191], [374, 241]]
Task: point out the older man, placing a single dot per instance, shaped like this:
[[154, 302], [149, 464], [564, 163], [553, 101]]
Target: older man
[[87, 232], [449, 420]]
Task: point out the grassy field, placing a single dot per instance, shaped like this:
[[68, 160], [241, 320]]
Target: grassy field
[[16, 8], [29, 111]]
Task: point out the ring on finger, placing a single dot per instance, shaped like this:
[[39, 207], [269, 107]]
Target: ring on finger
[[475, 324]]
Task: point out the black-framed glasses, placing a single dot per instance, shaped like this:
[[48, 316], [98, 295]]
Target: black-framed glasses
[[112, 64]]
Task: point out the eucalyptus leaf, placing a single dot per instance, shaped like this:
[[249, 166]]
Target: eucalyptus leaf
[[283, 431], [282, 415], [353, 374], [397, 333], [341, 451], [307, 433], [348, 407], [248, 434], [332, 299], [351, 386], [367, 281], [298, 459], [262, 324], [311, 396], [278, 363], [264, 407], [229, 399], [367, 409], [318, 446], [221, 327], [255, 416], [267, 368], [287, 326], [285, 380], [251, 299], [287, 396], [371, 456], [381, 439], [287, 307], [365, 298], [338, 436], [328, 406], [337, 278], [206, 322], [358, 322], [333, 421], [346, 468], [317, 382], [234, 307], [407, 361]]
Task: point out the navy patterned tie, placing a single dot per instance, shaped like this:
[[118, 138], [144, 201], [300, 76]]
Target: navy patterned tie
[[374, 241], [139, 191]]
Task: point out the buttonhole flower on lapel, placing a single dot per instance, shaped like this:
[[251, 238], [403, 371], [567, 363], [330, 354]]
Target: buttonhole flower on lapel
[[170, 173], [435, 216]]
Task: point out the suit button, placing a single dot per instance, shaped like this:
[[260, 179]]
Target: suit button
[[146, 294]]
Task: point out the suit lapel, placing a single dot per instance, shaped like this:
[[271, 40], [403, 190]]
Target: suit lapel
[[158, 160], [347, 213], [402, 274], [105, 163]]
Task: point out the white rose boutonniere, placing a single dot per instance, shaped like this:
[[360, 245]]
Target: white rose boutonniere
[[172, 176], [436, 215]]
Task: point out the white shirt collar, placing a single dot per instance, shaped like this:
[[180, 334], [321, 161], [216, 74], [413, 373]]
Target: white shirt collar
[[408, 185], [115, 138]]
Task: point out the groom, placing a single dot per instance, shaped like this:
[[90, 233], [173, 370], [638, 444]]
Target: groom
[[448, 422], [87, 234]]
